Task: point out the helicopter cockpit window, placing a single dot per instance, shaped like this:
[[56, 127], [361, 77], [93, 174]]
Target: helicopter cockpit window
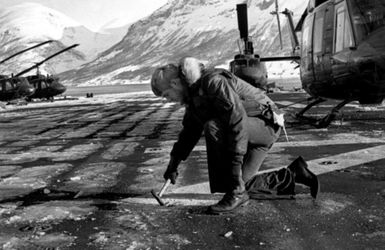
[[318, 33], [367, 16], [7, 86], [241, 63], [43, 84], [306, 37], [253, 62], [343, 36]]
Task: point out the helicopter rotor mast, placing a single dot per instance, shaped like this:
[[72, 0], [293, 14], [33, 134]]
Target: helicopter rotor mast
[[244, 28], [48, 58], [25, 50]]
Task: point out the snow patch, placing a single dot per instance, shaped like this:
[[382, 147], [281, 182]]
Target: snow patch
[[106, 57], [34, 20]]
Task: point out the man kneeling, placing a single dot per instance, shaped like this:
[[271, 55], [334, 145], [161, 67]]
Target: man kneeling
[[240, 126]]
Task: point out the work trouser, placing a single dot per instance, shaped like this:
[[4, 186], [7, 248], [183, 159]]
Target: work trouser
[[276, 183], [261, 137]]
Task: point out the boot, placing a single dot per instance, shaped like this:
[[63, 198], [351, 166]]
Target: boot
[[304, 176], [229, 203]]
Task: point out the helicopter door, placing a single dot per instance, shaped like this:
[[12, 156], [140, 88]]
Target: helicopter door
[[307, 70], [323, 43], [343, 38], [343, 41]]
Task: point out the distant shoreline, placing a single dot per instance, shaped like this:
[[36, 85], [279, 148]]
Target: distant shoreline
[[284, 83], [106, 89]]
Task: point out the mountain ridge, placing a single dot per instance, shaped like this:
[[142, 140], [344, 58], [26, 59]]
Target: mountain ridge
[[206, 29], [27, 24]]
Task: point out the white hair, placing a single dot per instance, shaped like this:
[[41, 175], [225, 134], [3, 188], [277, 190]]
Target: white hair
[[191, 68]]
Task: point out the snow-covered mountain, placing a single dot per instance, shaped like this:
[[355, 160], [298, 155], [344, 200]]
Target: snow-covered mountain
[[91, 43], [27, 24], [206, 29]]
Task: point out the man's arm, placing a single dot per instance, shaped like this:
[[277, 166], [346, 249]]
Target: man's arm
[[187, 139]]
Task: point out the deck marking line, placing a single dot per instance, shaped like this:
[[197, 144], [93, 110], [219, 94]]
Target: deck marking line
[[171, 201], [345, 160], [318, 166], [167, 146]]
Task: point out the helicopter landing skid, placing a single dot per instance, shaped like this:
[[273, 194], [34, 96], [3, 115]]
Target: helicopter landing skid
[[326, 120], [18, 102], [316, 100]]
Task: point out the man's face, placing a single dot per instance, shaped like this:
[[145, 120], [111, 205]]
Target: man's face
[[176, 92]]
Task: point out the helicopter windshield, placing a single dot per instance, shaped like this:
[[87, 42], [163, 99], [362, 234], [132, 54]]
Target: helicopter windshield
[[367, 16]]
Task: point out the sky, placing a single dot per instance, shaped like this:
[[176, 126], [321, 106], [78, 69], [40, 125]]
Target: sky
[[95, 14]]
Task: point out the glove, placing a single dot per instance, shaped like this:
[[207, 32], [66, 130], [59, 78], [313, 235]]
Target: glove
[[171, 173]]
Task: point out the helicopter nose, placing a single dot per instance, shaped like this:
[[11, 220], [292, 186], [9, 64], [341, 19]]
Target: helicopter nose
[[60, 88], [57, 88]]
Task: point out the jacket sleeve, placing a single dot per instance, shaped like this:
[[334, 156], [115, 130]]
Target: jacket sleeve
[[230, 111], [188, 137]]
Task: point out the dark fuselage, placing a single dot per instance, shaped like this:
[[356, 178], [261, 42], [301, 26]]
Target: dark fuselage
[[249, 68], [45, 86], [14, 88], [343, 51]]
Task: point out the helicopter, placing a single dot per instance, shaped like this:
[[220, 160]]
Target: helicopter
[[249, 66], [342, 53], [14, 87], [46, 86]]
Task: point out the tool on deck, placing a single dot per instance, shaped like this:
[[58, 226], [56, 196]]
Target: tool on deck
[[159, 195]]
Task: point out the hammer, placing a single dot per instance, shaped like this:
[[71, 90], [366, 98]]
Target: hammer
[[158, 196]]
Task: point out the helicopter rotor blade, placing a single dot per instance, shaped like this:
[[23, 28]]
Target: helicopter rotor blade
[[25, 50], [40, 63], [279, 58], [276, 12]]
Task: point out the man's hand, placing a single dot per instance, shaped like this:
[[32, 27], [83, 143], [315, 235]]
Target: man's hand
[[172, 170], [172, 174]]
